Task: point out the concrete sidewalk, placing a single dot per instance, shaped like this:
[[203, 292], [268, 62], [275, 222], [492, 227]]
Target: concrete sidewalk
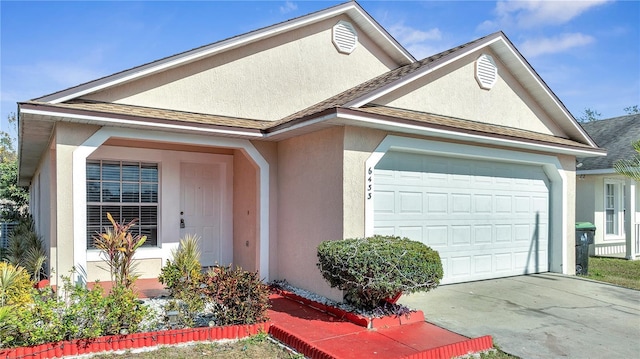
[[540, 316]]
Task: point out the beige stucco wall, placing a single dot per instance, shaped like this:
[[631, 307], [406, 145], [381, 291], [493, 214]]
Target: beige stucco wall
[[67, 138], [359, 143], [454, 91], [310, 205], [279, 75], [245, 212]]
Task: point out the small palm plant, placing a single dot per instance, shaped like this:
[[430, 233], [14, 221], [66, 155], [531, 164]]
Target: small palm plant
[[187, 256], [184, 267], [118, 246], [630, 167], [26, 248]]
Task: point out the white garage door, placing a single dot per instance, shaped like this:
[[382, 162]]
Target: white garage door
[[486, 219]]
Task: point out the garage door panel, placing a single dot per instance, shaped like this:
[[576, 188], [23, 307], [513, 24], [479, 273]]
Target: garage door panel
[[482, 234], [482, 264], [460, 236], [460, 203], [486, 219], [410, 232], [503, 263], [410, 202]]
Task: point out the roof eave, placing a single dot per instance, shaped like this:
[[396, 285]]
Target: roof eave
[[131, 121], [601, 171], [348, 117]]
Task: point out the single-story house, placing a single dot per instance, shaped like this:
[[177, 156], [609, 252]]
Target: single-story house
[[319, 128], [605, 198]]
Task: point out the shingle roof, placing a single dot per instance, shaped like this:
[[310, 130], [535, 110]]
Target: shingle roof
[[378, 82], [398, 115], [155, 114], [616, 136], [474, 127]]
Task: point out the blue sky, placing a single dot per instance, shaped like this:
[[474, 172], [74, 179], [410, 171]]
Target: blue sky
[[588, 52]]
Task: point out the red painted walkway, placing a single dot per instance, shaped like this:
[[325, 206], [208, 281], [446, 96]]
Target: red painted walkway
[[319, 335]]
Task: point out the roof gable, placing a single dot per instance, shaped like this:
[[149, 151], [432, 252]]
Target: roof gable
[[499, 45], [351, 9]]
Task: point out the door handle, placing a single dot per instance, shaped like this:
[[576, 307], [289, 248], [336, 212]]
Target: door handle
[[181, 222]]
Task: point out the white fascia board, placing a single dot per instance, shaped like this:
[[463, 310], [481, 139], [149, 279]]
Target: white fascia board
[[420, 130], [538, 81], [301, 125], [224, 45], [427, 69], [371, 23], [603, 171], [141, 124]]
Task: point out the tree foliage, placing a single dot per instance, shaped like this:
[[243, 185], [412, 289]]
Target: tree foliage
[[630, 167], [590, 115], [632, 110], [13, 198]]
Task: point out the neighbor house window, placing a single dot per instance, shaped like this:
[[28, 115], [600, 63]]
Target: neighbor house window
[[614, 208], [127, 190]]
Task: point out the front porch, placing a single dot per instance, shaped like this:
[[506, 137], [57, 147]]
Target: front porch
[[214, 187]]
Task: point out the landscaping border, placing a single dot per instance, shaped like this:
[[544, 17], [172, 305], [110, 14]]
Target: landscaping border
[[132, 341], [357, 319]]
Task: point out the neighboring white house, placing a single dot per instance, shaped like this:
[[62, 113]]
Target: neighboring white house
[[603, 197], [319, 128]]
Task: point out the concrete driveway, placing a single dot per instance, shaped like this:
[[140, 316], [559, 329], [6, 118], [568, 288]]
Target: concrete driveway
[[540, 316]]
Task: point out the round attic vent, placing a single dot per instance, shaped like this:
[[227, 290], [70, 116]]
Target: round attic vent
[[345, 37], [486, 71]]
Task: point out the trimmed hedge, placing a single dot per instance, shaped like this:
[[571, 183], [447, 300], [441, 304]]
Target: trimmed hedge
[[372, 269]]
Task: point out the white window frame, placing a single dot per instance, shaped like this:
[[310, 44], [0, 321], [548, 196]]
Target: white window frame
[[120, 204], [613, 205]]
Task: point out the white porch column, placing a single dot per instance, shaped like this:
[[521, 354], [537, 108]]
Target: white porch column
[[630, 227]]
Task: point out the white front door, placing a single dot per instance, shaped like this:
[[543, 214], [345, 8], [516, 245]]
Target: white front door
[[201, 210]]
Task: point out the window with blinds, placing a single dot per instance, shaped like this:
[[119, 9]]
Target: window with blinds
[[127, 190]]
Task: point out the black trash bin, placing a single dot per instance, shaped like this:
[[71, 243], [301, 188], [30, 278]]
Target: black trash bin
[[585, 232]]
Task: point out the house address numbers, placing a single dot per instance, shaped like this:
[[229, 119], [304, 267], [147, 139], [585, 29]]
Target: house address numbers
[[369, 183]]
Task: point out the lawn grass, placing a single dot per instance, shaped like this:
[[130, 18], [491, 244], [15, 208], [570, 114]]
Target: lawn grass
[[258, 346], [622, 272], [496, 353]]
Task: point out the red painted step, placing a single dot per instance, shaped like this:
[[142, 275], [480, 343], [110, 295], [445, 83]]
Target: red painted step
[[319, 334]]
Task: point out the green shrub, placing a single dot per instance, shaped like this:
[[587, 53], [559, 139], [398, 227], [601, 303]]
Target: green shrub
[[84, 311], [16, 286], [372, 269], [81, 313], [123, 312], [237, 296], [184, 269], [26, 249]]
